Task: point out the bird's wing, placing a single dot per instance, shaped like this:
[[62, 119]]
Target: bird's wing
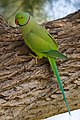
[[44, 34], [55, 54], [40, 46], [48, 36], [37, 44], [52, 38]]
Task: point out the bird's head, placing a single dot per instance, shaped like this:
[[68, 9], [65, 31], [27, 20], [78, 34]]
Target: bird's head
[[22, 18]]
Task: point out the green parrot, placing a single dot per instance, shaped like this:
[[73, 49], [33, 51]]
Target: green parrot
[[41, 43]]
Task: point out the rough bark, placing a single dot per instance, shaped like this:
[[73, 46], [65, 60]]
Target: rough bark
[[28, 91]]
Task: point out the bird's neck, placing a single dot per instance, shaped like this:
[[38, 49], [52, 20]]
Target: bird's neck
[[27, 28]]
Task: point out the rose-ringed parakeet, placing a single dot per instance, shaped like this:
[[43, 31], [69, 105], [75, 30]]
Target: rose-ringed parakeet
[[41, 43]]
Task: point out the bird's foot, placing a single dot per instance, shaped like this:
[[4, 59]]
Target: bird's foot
[[36, 57]]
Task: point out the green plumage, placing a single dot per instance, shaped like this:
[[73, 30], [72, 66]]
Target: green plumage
[[54, 68], [42, 43]]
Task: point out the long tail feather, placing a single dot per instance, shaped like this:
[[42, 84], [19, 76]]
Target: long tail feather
[[55, 70]]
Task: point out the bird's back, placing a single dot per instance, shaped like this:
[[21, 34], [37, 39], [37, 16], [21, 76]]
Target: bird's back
[[44, 34]]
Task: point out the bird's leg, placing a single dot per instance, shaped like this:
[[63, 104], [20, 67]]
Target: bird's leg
[[36, 57]]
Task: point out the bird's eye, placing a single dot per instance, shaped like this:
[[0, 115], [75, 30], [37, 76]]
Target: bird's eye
[[21, 17]]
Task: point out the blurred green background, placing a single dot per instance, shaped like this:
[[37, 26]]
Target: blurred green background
[[42, 10]]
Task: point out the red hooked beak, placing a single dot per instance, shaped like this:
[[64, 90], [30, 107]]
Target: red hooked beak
[[16, 21]]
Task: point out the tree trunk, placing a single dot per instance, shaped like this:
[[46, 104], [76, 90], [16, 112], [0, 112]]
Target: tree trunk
[[29, 91]]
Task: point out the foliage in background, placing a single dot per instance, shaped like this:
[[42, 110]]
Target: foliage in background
[[42, 10]]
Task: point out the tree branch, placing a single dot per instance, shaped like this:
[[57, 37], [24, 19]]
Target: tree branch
[[29, 91]]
